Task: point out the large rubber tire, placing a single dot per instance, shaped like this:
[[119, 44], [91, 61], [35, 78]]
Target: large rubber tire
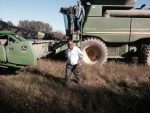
[[144, 56], [94, 51]]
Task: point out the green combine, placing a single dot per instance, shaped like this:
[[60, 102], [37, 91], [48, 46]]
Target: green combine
[[111, 29]]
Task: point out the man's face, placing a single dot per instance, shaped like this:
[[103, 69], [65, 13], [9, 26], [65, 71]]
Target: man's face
[[70, 45]]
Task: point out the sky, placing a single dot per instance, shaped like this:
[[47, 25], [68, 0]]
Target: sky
[[40, 10]]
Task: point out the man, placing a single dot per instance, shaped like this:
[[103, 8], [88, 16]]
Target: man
[[79, 14], [74, 56]]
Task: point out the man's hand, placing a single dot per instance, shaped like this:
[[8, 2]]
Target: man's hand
[[80, 63]]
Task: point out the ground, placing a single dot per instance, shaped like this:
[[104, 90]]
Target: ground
[[115, 87]]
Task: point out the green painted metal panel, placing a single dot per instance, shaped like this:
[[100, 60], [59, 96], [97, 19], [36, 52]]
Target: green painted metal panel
[[10, 65], [2, 54], [95, 10], [61, 48], [6, 33], [140, 28], [21, 53], [109, 29], [15, 50]]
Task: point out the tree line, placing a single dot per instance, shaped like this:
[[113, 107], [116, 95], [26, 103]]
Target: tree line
[[38, 26]]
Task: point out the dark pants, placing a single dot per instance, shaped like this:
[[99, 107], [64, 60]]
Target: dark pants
[[72, 69], [77, 24]]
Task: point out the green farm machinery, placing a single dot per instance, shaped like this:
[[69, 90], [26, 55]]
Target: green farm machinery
[[111, 29], [20, 47]]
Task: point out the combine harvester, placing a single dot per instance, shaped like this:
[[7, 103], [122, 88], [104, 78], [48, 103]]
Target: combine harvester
[[111, 29]]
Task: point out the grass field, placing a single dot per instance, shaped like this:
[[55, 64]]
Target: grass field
[[112, 88]]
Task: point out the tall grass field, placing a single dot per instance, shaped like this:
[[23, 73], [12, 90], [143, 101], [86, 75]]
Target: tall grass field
[[111, 88]]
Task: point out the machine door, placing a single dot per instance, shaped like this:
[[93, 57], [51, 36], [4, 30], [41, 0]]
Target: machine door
[[68, 21], [19, 52]]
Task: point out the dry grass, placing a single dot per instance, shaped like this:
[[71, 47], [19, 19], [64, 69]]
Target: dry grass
[[112, 88]]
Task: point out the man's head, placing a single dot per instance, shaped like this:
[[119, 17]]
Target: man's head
[[70, 44], [78, 2]]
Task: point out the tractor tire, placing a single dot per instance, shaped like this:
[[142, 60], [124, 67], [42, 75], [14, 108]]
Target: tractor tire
[[144, 57], [94, 51]]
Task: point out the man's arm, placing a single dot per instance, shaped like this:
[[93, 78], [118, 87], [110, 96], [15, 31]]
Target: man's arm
[[83, 11], [80, 53]]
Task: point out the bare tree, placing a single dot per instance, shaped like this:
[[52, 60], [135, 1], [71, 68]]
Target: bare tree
[[36, 25], [58, 35], [10, 22]]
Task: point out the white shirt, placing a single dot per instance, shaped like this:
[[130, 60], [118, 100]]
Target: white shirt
[[73, 55]]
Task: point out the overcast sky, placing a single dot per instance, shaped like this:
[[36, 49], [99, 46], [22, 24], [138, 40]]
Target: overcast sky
[[40, 10]]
